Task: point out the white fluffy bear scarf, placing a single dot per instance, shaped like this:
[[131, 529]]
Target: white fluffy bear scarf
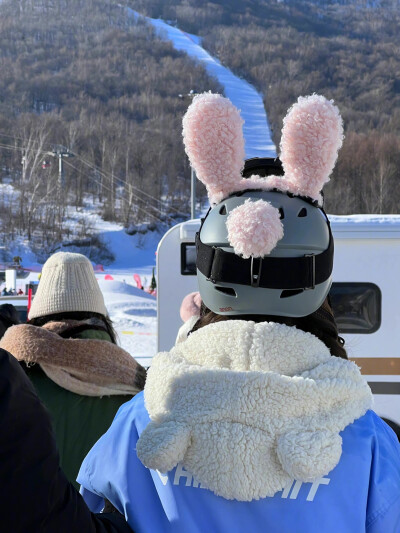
[[248, 407]]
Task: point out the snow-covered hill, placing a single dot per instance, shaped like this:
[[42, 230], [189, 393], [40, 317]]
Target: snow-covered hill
[[256, 130], [132, 310], [134, 314]]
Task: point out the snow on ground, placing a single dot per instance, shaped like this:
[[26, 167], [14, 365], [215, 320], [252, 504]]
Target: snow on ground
[[371, 220], [134, 254], [256, 129], [133, 311], [8, 195], [134, 314]]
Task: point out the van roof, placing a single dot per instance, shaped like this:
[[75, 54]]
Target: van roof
[[343, 226], [365, 226]]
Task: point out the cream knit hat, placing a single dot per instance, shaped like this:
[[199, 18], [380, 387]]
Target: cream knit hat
[[67, 284]]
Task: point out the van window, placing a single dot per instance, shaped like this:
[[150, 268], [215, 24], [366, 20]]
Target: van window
[[188, 259], [356, 306]]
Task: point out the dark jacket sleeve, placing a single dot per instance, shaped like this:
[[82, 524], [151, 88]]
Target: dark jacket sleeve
[[35, 496]]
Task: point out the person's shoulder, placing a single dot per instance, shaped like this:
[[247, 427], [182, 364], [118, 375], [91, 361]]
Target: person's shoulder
[[374, 424], [371, 435], [383, 509], [134, 405], [133, 412]]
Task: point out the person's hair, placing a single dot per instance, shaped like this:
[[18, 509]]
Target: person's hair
[[8, 317], [78, 315], [321, 323]]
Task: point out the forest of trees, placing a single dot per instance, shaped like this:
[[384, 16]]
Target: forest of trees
[[346, 50], [87, 76], [83, 75]]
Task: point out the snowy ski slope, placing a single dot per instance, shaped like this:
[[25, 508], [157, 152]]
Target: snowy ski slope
[[257, 132], [134, 312]]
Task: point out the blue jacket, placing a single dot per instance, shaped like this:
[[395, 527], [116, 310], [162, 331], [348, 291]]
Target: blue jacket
[[361, 494]]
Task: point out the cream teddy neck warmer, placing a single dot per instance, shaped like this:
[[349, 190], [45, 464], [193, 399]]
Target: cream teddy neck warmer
[[248, 407]]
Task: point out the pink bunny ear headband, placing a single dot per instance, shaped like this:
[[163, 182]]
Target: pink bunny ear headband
[[312, 134]]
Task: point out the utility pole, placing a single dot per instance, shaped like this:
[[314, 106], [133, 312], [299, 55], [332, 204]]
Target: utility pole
[[191, 94]]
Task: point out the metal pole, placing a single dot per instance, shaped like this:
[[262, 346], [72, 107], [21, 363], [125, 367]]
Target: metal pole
[[60, 171], [192, 193], [191, 95], [23, 167]]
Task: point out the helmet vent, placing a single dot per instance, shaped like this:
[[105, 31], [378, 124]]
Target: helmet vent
[[281, 213], [226, 290], [222, 211], [302, 212], [290, 292]]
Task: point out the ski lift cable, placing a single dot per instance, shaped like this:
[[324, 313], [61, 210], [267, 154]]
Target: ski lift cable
[[90, 165], [44, 163], [119, 196], [94, 167], [16, 148], [110, 190], [16, 138], [133, 186], [9, 147]]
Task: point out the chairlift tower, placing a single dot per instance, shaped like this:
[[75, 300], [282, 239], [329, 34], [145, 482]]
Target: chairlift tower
[[60, 152]]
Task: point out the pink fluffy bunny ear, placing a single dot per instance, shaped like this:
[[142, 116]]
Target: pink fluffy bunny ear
[[311, 137], [214, 143]]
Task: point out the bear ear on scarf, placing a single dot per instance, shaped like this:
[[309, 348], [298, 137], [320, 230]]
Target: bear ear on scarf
[[213, 137], [163, 445]]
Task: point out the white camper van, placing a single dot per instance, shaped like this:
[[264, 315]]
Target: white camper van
[[365, 295]]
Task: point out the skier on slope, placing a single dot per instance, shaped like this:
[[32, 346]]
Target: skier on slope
[[257, 421]]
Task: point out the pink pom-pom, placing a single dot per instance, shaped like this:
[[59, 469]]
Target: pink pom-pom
[[254, 228], [190, 306], [214, 143], [311, 137]]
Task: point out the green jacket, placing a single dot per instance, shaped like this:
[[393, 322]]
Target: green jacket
[[78, 421]]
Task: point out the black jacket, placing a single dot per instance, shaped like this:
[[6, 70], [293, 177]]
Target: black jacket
[[35, 496]]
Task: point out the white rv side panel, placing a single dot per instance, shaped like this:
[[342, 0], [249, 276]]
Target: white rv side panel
[[367, 249], [172, 287]]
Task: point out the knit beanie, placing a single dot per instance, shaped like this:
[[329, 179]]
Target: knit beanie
[[67, 284]]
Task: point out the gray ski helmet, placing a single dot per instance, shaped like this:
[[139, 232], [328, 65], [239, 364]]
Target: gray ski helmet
[[293, 280], [276, 256]]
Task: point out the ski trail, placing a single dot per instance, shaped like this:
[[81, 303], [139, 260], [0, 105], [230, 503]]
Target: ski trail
[[244, 96]]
